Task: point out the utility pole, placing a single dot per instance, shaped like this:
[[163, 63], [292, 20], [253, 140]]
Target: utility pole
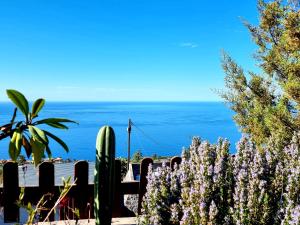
[[128, 153]]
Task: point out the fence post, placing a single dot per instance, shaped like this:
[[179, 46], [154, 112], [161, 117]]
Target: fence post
[[118, 199], [143, 180], [46, 186], [11, 192], [81, 177], [175, 159]]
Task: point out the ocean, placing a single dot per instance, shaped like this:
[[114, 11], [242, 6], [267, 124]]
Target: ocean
[[162, 128]]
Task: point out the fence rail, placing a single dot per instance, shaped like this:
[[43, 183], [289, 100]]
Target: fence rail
[[80, 196]]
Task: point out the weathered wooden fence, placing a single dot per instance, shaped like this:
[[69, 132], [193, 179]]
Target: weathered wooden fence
[[81, 195]]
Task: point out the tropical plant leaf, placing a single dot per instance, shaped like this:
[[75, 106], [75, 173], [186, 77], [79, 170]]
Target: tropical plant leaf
[[26, 146], [37, 106], [57, 125], [38, 134], [49, 153], [58, 140], [37, 150], [54, 120], [19, 100], [15, 145]]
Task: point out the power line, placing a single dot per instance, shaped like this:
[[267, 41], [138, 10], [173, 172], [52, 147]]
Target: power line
[[150, 138], [138, 137]]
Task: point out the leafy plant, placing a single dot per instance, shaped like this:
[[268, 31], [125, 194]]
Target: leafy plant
[[137, 156], [211, 186], [35, 211], [26, 133], [267, 103]]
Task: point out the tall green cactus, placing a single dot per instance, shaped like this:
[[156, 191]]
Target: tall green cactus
[[104, 176]]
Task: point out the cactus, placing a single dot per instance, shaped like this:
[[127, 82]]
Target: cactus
[[104, 176]]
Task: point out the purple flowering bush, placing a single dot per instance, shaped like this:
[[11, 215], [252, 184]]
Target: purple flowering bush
[[212, 186]]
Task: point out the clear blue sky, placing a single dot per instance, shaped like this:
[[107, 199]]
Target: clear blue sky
[[133, 50]]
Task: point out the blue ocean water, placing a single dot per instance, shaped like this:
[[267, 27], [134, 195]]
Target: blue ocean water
[[161, 128]]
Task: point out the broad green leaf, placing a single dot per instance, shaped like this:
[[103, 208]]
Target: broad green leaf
[[18, 140], [37, 106], [57, 125], [54, 120], [19, 100], [38, 134], [58, 140], [15, 145], [37, 151], [49, 153], [26, 146]]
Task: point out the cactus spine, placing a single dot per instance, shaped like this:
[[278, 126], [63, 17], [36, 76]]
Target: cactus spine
[[104, 176]]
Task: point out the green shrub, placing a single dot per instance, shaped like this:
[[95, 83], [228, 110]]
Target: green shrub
[[212, 187]]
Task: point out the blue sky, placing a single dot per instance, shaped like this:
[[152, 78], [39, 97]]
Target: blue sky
[[131, 50]]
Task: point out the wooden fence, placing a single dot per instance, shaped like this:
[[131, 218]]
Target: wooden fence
[[81, 195]]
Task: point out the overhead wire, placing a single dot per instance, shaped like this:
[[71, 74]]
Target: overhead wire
[[137, 134], [150, 138]]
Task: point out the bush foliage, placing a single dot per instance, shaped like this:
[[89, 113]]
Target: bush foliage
[[267, 103], [211, 186], [260, 184]]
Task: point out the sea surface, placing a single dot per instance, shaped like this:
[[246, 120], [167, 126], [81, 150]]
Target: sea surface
[[162, 128]]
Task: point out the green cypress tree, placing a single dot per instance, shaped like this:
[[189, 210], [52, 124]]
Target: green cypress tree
[[268, 104]]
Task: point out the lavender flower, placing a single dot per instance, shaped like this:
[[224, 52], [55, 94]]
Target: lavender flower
[[212, 187]]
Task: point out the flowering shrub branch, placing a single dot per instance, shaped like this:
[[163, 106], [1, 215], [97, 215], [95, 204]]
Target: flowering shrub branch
[[212, 186]]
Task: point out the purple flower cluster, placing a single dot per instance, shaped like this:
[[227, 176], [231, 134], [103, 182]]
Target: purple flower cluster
[[212, 187]]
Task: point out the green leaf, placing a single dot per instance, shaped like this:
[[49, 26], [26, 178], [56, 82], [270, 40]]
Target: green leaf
[[38, 134], [54, 120], [49, 153], [57, 125], [37, 151], [26, 146], [29, 207], [22, 193], [58, 140], [15, 145], [37, 106], [19, 100]]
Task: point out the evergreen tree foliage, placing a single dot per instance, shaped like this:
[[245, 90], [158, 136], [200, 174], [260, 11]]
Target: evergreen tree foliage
[[267, 104]]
